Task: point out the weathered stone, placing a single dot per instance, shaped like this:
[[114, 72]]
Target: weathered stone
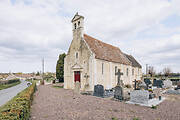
[[158, 83], [143, 86], [98, 91], [167, 84], [173, 91], [139, 96], [118, 94], [77, 87]]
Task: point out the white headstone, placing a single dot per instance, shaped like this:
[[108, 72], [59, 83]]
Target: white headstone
[[139, 96], [167, 84]]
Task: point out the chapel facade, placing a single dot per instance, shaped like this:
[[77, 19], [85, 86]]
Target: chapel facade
[[90, 62]]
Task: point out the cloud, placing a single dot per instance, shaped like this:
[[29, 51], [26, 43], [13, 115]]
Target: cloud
[[33, 29]]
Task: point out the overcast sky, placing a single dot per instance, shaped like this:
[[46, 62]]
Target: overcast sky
[[32, 29]]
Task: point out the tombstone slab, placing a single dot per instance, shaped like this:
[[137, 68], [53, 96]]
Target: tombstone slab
[[167, 84], [118, 94], [158, 83], [139, 96], [98, 91]]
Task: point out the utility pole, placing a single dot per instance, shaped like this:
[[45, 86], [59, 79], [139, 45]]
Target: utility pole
[[146, 70], [43, 70]]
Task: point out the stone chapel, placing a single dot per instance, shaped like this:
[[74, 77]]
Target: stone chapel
[[90, 61]]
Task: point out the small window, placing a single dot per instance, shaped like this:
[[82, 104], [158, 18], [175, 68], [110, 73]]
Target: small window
[[75, 26], [102, 68], [78, 23], [127, 71], [132, 71], [76, 55], [115, 69]]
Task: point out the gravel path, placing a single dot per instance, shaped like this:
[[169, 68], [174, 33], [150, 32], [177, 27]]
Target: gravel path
[[59, 104], [9, 93]]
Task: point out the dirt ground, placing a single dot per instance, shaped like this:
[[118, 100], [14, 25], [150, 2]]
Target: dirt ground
[[59, 104]]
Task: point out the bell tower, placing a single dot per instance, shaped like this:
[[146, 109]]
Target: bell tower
[[78, 25]]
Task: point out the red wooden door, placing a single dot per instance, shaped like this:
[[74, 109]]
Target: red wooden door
[[77, 76]]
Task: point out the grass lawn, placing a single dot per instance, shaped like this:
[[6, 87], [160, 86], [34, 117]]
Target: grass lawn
[[4, 86]]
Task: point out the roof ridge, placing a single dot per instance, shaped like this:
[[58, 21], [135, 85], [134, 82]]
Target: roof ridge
[[103, 42]]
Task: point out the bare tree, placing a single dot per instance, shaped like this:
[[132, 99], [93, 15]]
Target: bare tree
[[167, 71], [151, 71]]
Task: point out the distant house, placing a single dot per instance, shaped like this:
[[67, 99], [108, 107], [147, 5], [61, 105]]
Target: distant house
[[11, 77], [91, 61]]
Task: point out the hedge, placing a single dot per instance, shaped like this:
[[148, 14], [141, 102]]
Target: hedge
[[9, 81], [19, 107]]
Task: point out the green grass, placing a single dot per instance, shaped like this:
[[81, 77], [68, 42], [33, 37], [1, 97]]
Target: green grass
[[56, 86], [114, 118], [136, 118], [4, 86], [154, 107]]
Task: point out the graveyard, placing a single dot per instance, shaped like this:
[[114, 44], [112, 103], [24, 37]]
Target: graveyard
[[58, 103], [150, 99], [147, 99]]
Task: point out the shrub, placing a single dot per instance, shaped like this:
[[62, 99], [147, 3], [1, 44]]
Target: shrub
[[128, 86], [154, 107], [9, 81], [19, 107], [114, 118], [136, 118], [150, 90]]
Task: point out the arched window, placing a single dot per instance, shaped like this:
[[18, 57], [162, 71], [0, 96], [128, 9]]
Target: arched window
[[78, 23], [77, 55], [115, 69], [75, 26], [133, 71], [127, 71], [102, 68]]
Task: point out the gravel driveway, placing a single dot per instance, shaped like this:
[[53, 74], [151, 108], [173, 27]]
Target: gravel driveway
[[59, 104], [9, 93]]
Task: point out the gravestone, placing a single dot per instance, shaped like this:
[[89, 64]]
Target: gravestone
[[77, 87], [147, 82], [158, 83], [143, 86], [167, 84], [178, 85], [139, 96], [98, 91], [118, 94]]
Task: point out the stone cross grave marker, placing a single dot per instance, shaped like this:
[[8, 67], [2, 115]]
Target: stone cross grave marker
[[135, 84], [118, 94], [77, 87], [86, 76], [119, 74]]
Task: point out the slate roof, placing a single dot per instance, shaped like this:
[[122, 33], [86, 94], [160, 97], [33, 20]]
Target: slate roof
[[133, 61], [106, 51]]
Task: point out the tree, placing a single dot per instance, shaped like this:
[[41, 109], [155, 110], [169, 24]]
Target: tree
[[151, 71], [60, 68], [166, 71]]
